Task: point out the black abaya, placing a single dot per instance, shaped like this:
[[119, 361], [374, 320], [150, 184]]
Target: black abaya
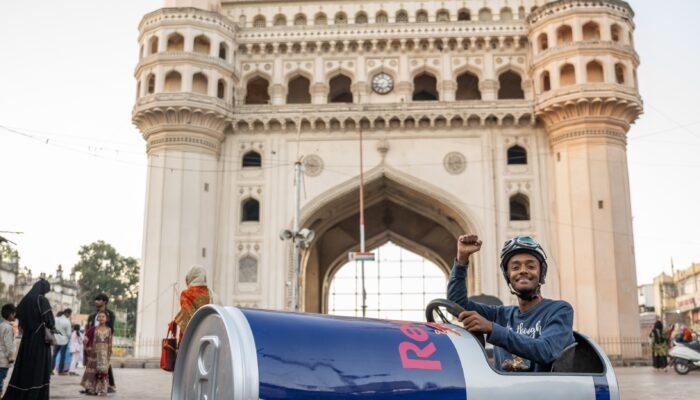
[[32, 369]]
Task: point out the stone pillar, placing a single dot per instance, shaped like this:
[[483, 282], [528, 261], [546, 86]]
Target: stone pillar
[[180, 221], [592, 220]]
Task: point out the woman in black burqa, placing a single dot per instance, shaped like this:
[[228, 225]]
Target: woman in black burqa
[[32, 370]]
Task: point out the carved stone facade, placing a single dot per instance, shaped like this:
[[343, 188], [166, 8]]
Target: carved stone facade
[[498, 117]]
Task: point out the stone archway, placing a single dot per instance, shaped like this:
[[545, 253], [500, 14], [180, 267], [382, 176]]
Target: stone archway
[[398, 208]]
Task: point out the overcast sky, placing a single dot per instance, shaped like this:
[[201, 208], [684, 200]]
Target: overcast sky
[[66, 75]]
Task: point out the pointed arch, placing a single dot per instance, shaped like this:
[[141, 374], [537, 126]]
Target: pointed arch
[[298, 88], [340, 89], [467, 86], [257, 89], [175, 42], [510, 85], [173, 82], [202, 44], [594, 72], [591, 31], [519, 207], [425, 87], [250, 210]]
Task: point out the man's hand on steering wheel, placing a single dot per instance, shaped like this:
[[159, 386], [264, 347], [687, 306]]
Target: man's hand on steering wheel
[[475, 323]]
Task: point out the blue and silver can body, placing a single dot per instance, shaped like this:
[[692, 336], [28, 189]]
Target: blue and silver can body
[[232, 353]]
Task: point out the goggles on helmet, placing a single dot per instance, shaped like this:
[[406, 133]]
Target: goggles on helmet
[[520, 242]]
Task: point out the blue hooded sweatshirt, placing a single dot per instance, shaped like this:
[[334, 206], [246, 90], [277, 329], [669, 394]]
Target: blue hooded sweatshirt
[[538, 335]]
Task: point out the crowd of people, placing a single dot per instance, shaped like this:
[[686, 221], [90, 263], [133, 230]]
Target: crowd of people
[[56, 345], [662, 340]]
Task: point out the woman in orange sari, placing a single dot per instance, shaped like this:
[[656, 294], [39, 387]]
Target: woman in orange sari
[[195, 296]]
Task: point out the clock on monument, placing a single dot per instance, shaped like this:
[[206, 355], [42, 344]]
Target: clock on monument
[[382, 83]]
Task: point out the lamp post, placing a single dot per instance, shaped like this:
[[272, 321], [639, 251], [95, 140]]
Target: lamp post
[[300, 237]]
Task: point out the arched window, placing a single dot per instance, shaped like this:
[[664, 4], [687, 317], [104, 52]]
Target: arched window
[[401, 16], [151, 84], [519, 208], [280, 20], [320, 19], [299, 20], [543, 41], [620, 73], [200, 83], [468, 87], [421, 16], [138, 89], [615, 33], [567, 75], [223, 50], [521, 12], [259, 21], [298, 91], [173, 82], [250, 210], [153, 45], [221, 89], [594, 72], [176, 42], [464, 15], [517, 155], [257, 91], [591, 31], [339, 89], [425, 88], [340, 18], [252, 159], [546, 82], [485, 14], [442, 16], [381, 18], [510, 86], [564, 35], [202, 44], [506, 14], [361, 17], [248, 270]]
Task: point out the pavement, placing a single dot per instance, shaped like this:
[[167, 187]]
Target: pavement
[[636, 383]]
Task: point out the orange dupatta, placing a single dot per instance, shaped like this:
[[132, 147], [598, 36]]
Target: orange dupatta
[[191, 299]]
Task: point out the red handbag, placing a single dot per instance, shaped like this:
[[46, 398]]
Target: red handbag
[[168, 354]]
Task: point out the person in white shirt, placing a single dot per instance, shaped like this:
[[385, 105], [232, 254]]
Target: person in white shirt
[[63, 328], [76, 349], [7, 341]]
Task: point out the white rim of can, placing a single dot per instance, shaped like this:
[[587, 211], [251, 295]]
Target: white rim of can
[[244, 375]]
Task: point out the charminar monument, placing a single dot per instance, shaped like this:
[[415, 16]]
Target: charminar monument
[[495, 117]]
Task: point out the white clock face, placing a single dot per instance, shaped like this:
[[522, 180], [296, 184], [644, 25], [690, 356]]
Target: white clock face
[[382, 83]]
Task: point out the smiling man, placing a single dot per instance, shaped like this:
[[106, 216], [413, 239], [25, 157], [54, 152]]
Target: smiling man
[[529, 336]]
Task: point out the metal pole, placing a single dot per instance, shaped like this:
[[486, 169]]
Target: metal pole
[[362, 226], [297, 240]]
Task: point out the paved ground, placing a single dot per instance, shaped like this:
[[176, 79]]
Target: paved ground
[[151, 384]]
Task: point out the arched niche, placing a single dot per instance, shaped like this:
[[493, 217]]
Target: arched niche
[[413, 214]]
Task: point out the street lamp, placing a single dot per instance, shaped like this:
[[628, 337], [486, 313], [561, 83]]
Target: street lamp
[[300, 238]]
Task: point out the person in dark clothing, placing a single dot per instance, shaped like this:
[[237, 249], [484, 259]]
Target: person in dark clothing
[[32, 370], [659, 346], [101, 301], [529, 336]]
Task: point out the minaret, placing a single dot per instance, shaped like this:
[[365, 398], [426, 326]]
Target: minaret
[[183, 108], [583, 65]]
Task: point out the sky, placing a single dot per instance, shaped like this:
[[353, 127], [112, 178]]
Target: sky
[[73, 165]]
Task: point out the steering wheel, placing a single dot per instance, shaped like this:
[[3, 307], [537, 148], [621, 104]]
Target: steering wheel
[[434, 307]]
